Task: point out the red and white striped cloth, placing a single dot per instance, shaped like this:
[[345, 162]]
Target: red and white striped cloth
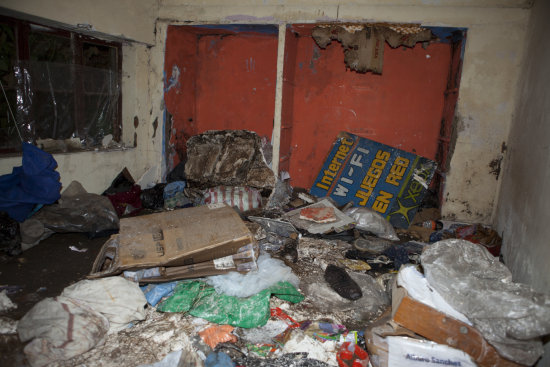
[[245, 198]]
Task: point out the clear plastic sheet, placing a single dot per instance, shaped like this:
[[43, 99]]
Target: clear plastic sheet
[[368, 220], [59, 103], [270, 271], [511, 316]]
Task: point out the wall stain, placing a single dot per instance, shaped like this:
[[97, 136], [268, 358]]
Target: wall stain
[[316, 56], [155, 125], [504, 147], [495, 166], [135, 140], [136, 122]]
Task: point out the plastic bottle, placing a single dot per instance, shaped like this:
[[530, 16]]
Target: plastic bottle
[[433, 224]]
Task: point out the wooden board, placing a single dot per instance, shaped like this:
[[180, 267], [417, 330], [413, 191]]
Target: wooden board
[[443, 329]]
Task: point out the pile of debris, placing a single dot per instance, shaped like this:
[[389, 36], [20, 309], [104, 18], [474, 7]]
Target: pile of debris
[[228, 265]]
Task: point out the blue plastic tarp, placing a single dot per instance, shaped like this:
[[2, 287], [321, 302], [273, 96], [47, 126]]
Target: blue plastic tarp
[[35, 182]]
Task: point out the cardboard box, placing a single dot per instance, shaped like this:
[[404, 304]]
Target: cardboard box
[[181, 238], [375, 338], [388, 180], [391, 345], [444, 329]]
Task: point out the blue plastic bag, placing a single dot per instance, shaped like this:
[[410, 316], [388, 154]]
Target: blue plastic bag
[[35, 182]]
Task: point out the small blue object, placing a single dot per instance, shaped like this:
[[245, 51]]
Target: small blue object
[[441, 234], [35, 182], [173, 188], [155, 292], [219, 359]]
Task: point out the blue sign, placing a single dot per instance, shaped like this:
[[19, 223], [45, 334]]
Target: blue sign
[[388, 180]]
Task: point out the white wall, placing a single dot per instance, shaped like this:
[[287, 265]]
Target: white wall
[[496, 31], [523, 210], [523, 214], [132, 19]]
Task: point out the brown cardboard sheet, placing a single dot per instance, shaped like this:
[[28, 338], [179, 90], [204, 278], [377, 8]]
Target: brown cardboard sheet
[[174, 239]]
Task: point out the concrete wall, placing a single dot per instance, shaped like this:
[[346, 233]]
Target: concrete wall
[[494, 47], [496, 32], [524, 203]]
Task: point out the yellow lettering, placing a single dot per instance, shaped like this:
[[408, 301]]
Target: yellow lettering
[[339, 155], [327, 180], [378, 163], [343, 148], [392, 179], [383, 155], [325, 187], [403, 162], [345, 141], [374, 172], [370, 181], [364, 196], [382, 202], [397, 171]]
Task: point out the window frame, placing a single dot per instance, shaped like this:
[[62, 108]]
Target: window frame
[[22, 30]]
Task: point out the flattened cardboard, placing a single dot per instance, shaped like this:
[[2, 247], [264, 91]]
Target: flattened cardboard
[[175, 238]]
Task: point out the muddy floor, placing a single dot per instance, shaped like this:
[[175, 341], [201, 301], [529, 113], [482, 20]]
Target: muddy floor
[[40, 272]]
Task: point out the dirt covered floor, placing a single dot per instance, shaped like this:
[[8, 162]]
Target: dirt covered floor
[[42, 271], [46, 269]]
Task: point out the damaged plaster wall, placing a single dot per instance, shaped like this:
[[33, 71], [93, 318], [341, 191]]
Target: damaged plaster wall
[[524, 203], [132, 20], [496, 30], [491, 68]]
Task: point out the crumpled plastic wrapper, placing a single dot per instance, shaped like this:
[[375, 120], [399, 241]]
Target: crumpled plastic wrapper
[[368, 220], [511, 316]]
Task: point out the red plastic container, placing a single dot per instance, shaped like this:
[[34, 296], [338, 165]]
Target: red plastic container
[[352, 355]]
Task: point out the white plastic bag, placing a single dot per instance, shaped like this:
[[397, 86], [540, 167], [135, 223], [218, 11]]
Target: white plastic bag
[[270, 271], [61, 328], [118, 299]]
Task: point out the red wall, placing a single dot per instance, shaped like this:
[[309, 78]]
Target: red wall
[[227, 81], [402, 107]]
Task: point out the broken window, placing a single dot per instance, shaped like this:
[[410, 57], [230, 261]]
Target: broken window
[[62, 87]]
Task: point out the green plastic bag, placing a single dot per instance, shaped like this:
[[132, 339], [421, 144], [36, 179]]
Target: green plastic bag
[[202, 300]]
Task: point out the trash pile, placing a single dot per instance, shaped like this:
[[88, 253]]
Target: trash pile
[[228, 265]]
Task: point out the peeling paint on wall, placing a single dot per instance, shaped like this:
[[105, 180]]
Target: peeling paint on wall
[[174, 81], [364, 44]]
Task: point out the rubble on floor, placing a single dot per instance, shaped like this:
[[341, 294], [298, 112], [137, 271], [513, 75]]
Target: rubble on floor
[[233, 267]]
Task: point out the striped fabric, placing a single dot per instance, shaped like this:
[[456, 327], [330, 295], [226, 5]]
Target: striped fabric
[[245, 198]]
